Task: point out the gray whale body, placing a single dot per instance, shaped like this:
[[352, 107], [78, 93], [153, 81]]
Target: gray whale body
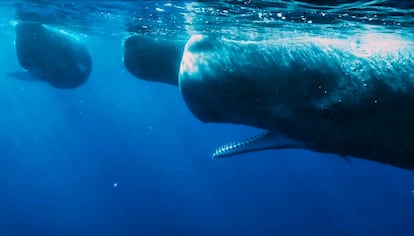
[[326, 95], [52, 56]]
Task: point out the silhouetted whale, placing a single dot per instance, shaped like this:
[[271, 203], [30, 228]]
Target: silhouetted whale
[[342, 96], [152, 58], [52, 56]]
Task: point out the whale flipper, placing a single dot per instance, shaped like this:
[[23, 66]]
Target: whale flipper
[[23, 75]]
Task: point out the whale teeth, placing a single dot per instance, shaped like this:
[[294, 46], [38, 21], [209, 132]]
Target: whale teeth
[[233, 147]]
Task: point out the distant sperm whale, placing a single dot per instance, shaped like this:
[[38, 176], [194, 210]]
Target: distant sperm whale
[[52, 56], [351, 98], [153, 59]]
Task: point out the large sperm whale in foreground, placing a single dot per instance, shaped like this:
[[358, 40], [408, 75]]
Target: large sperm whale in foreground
[[351, 98]]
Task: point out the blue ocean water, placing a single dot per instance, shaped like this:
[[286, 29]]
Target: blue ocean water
[[122, 156]]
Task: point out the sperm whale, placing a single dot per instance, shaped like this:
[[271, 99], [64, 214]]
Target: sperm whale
[[351, 98], [51, 55]]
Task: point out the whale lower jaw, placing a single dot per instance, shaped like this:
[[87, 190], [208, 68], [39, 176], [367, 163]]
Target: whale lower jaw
[[264, 141], [272, 140]]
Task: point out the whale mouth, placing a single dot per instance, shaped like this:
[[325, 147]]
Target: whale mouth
[[263, 141], [239, 147]]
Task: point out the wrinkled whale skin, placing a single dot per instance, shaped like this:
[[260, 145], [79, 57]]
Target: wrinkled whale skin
[[52, 56], [354, 101], [153, 59]]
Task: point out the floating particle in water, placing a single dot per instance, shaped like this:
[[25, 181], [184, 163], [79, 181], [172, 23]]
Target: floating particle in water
[[115, 185]]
